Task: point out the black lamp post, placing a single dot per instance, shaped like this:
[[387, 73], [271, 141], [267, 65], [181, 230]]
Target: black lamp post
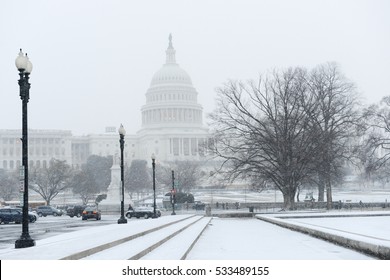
[[122, 133], [173, 193], [154, 184], [25, 67]]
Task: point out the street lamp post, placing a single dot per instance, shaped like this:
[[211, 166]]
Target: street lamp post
[[173, 193], [122, 133], [154, 184], [25, 67]]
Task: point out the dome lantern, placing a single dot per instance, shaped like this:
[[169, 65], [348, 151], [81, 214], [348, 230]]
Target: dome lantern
[[170, 52], [171, 72]]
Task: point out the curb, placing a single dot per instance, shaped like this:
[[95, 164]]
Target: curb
[[378, 251]]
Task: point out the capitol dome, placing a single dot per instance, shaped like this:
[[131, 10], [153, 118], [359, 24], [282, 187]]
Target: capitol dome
[[172, 118], [171, 72], [171, 100]]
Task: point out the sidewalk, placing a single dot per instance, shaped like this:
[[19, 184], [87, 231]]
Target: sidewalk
[[197, 237], [69, 244]]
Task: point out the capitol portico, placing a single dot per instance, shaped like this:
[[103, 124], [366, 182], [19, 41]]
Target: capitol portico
[[172, 128]]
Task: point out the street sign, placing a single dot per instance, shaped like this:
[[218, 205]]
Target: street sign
[[21, 186]]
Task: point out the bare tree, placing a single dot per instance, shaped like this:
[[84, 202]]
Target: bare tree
[[262, 130], [49, 182], [93, 178], [187, 174], [336, 117], [83, 185], [375, 150], [8, 184], [99, 171], [137, 178]]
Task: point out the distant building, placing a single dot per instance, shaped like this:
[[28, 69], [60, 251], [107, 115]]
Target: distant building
[[172, 128], [43, 145], [172, 118]]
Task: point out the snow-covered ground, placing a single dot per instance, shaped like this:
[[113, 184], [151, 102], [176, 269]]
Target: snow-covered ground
[[225, 242], [351, 195], [222, 239], [254, 240], [244, 241]]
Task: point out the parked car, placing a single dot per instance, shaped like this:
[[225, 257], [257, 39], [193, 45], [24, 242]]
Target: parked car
[[30, 212], [76, 210], [48, 210], [145, 212], [199, 205], [10, 215], [91, 212]]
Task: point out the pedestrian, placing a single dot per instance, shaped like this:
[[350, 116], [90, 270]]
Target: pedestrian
[[130, 208]]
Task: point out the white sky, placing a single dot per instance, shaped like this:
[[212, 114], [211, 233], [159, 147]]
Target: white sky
[[94, 60]]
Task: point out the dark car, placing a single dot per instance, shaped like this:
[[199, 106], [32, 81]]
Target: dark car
[[145, 212], [10, 215], [48, 210], [91, 212], [30, 212], [198, 205], [76, 210]]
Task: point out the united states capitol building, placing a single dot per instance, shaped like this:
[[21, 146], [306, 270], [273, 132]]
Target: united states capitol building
[[172, 128]]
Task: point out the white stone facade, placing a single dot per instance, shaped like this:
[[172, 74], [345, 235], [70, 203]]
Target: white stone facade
[[172, 128], [43, 145]]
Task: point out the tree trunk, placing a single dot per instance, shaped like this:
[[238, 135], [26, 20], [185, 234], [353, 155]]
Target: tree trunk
[[321, 188], [329, 195], [288, 200]]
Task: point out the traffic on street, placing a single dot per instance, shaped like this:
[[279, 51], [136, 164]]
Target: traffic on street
[[49, 226]]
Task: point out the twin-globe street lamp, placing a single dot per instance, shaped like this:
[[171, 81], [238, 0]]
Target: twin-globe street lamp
[[24, 66], [122, 133]]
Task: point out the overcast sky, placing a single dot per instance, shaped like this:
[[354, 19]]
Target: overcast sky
[[94, 60]]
